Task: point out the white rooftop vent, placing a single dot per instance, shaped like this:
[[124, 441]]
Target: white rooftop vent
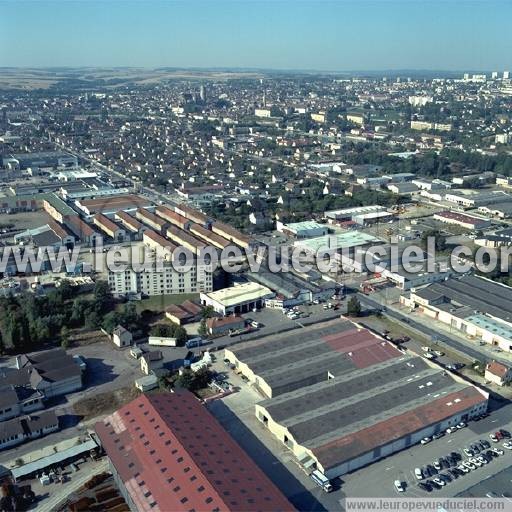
[[457, 400], [449, 404], [429, 383]]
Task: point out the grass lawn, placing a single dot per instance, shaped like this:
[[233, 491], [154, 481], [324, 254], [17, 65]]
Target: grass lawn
[[158, 303]]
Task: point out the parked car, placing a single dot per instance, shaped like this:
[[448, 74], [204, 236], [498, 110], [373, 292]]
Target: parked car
[[425, 486], [439, 481], [426, 440], [461, 425], [418, 473], [431, 469], [455, 455], [399, 486]]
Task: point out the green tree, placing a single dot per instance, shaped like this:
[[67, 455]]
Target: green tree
[[203, 329], [354, 307], [102, 297], [207, 312], [181, 336], [163, 330], [439, 239], [64, 337]]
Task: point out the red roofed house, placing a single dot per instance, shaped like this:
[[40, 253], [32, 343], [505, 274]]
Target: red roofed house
[[218, 326], [498, 373], [168, 453]]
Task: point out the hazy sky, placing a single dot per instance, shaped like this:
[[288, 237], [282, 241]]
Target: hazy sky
[[283, 34]]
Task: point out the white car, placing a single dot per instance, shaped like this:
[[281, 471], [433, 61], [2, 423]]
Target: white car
[[450, 430], [468, 452], [439, 481], [438, 353], [426, 440], [475, 462], [462, 425], [399, 486], [418, 473], [482, 460], [469, 465], [497, 451], [508, 445], [463, 468], [429, 355]]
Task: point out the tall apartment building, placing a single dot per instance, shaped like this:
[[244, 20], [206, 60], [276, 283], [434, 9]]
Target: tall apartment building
[[164, 281]]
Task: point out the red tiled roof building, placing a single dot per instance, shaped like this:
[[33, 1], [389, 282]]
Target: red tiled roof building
[[168, 453]]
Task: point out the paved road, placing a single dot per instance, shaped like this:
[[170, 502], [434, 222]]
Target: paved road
[[474, 352], [58, 495]]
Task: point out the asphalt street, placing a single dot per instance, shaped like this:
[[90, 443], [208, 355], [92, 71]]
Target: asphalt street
[[474, 352]]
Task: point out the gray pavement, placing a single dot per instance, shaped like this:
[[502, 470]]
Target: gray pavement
[[434, 331]]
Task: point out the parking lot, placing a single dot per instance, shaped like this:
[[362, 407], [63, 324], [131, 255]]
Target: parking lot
[[377, 479]]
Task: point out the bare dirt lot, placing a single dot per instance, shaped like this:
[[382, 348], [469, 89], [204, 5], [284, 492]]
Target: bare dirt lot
[[105, 403], [25, 220]]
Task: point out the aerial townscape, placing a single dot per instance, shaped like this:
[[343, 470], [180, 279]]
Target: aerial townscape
[[246, 287]]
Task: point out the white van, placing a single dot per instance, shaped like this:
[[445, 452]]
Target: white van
[[418, 473], [321, 480], [399, 486]]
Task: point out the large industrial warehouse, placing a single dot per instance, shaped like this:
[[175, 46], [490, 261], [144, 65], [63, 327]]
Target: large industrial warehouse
[[341, 397], [168, 453], [476, 306]]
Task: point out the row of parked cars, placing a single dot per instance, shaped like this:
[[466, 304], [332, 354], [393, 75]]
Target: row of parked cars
[[449, 468], [449, 430]]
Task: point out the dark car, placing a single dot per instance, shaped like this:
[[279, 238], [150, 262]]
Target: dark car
[[504, 433], [486, 457], [425, 486], [433, 484], [490, 454], [456, 455], [432, 470], [454, 473], [475, 448], [484, 443], [444, 463], [445, 477]]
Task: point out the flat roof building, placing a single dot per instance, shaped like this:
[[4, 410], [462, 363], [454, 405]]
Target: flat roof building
[[167, 452], [240, 298], [477, 306], [306, 229]]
